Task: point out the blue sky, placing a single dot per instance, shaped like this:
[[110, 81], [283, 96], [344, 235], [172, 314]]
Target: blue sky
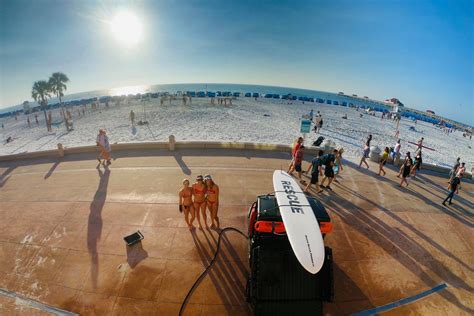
[[419, 51]]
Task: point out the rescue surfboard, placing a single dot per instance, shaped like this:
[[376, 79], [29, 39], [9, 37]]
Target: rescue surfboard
[[423, 146], [302, 227]]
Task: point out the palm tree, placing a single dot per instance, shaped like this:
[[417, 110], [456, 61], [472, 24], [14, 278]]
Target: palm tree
[[58, 85], [41, 92]]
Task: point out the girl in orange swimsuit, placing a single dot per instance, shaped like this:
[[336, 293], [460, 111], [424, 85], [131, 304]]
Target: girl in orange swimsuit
[[212, 200], [186, 203], [199, 199]]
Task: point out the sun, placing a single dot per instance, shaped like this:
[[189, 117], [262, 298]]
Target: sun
[[127, 28]]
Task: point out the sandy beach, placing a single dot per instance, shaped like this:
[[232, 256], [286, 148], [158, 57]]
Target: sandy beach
[[246, 120]]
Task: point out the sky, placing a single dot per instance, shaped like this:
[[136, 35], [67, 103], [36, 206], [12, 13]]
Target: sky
[[421, 52]]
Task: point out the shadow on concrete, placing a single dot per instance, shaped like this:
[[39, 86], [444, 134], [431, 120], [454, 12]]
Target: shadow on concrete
[[94, 224], [407, 251], [230, 290], [182, 164], [50, 172], [135, 254], [6, 175]]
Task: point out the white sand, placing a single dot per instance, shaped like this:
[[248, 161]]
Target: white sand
[[244, 121]]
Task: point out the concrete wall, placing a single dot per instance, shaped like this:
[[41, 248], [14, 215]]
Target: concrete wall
[[189, 145]]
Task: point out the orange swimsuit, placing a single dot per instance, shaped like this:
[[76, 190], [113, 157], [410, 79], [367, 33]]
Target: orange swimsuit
[[197, 191], [212, 191]]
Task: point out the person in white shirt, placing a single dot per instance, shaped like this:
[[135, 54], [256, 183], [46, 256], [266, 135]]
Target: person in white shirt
[[104, 147]]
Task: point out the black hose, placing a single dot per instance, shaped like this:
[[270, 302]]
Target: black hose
[[203, 274]]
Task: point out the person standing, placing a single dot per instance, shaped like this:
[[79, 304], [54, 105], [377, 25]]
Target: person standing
[[28, 120], [366, 152], [316, 171], [132, 118], [328, 162], [417, 164], [212, 200], [396, 151], [338, 163], [199, 195], [383, 161], [420, 144], [406, 167], [186, 203], [461, 170], [36, 119], [454, 186], [296, 146], [104, 147], [299, 156]]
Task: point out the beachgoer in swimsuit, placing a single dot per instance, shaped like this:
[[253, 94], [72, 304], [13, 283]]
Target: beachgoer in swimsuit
[[199, 195], [212, 200], [383, 161], [316, 171], [186, 203], [366, 152], [417, 164], [338, 163], [295, 148], [406, 169], [104, 147], [454, 170], [454, 187]]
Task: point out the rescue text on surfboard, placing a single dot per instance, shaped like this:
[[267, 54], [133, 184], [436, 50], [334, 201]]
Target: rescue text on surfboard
[[292, 197]]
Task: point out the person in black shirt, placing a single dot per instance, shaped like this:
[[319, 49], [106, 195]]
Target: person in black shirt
[[328, 162], [454, 186], [316, 171]]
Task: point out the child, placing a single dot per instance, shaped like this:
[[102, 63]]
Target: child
[[383, 161], [338, 163]]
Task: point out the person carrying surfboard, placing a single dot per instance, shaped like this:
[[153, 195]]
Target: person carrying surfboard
[[328, 162], [316, 171]]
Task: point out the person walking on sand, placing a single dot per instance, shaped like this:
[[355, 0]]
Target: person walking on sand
[[366, 152], [28, 121], [383, 161], [316, 171], [417, 164], [199, 199], [454, 186], [132, 118], [406, 169], [299, 156], [296, 146], [212, 200], [186, 203], [328, 162], [104, 147], [36, 119]]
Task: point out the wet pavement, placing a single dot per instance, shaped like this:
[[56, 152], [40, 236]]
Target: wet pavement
[[63, 223]]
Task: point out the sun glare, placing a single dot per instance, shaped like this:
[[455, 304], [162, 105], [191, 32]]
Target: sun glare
[[126, 28]]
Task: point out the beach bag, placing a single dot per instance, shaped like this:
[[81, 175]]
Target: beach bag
[[318, 141]]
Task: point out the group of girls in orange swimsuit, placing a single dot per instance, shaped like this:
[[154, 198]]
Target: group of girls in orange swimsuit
[[195, 199]]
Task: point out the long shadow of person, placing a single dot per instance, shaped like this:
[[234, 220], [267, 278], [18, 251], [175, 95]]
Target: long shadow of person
[[94, 224]]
